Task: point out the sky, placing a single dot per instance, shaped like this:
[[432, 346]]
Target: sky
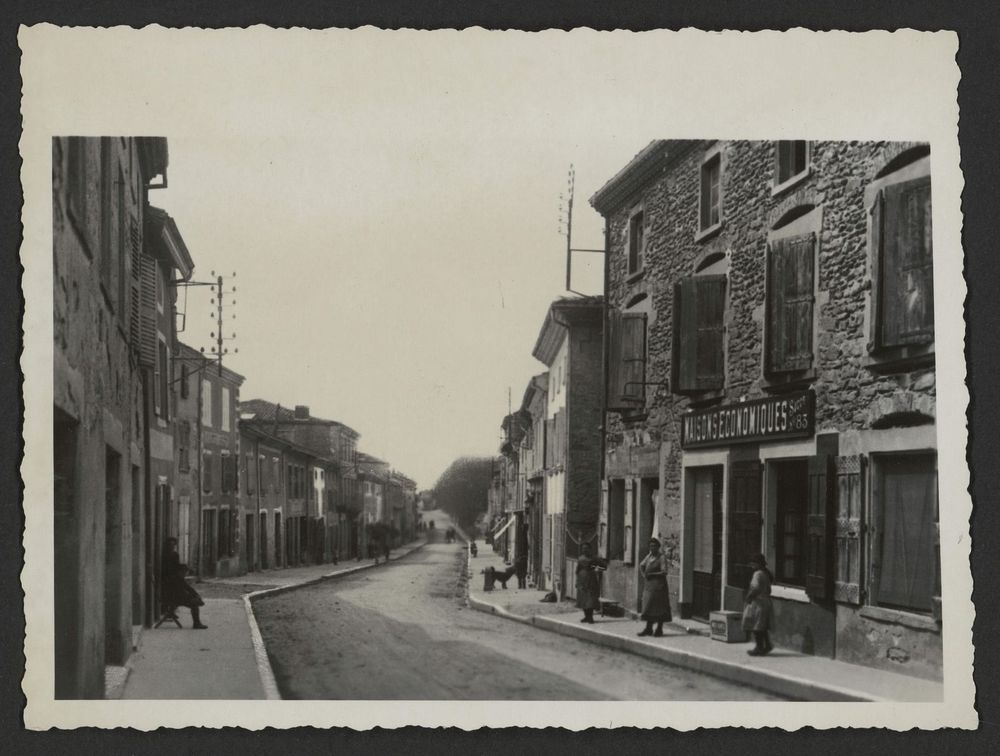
[[389, 200], [393, 228]]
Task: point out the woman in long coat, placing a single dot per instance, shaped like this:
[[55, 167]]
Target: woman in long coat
[[655, 597], [757, 612], [588, 587]]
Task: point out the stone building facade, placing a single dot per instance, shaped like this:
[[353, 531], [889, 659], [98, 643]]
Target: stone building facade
[[102, 323], [770, 387], [569, 344]]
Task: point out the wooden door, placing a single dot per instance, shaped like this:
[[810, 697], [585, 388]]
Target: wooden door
[[707, 559]]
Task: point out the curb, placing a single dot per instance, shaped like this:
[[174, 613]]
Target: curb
[[755, 677], [264, 668]]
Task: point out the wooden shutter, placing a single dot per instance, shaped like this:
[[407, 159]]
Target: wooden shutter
[[147, 311], [907, 265], [790, 273], [744, 520], [135, 285], [818, 529], [602, 526], [850, 501], [206, 472], [710, 311], [685, 357], [629, 528], [633, 359], [877, 248], [699, 327], [626, 360]]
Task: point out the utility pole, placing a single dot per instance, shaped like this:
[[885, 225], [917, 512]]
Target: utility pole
[[566, 227]]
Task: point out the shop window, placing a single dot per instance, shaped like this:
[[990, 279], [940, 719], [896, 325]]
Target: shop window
[[902, 264], [790, 522], [711, 193], [905, 549], [698, 330], [636, 242], [627, 360], [791, 160], [790, 298]]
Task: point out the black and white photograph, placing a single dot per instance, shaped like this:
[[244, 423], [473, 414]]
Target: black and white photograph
[[478, 369]]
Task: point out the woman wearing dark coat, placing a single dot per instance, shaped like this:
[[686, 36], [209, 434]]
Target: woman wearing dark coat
[[588, 587], [655, 597], [175, 589], [757, 610]]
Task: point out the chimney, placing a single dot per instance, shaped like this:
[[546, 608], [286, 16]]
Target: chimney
[[301, 412]]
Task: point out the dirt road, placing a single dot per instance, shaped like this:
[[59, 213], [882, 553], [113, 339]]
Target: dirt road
[[401, 631]]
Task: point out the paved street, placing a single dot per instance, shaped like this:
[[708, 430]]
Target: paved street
[[402, 632]]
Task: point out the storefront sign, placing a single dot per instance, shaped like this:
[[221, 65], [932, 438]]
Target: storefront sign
[[769, 419]]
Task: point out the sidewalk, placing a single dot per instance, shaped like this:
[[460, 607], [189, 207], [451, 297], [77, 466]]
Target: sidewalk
[[228, 660], [783, 672]]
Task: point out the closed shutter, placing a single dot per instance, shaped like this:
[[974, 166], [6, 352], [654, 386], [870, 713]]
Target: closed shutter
[[710, 309], [547, 544], [744, 520], [790, 303], [633, 359], [850, 498], [602, 527], [627, 532], [818, 530], [135, 285], [699, 327], [147, 311], [206, 473], [907, 266], [877, 247]]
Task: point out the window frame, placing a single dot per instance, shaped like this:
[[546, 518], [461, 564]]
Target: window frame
[[875, 544], [713, 157], [779, 184], [636, 251], [881, 357]]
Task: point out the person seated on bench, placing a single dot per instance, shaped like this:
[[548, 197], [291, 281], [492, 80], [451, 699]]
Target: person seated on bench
[[176, 591]]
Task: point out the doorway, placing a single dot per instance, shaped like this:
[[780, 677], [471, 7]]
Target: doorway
[[114, 649], [706, 584]]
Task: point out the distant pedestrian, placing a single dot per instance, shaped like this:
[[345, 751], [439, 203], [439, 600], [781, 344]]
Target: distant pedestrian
[[386, 547], [175, 589], [521, 570], [757, 609], [588, 586], [655, 597]]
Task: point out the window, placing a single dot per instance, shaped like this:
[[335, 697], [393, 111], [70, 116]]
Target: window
[[711, 192], [224, 404], [627, 360], [791, 159], [790, 266], [792, 496], [699, 329], [636, 242], [206, 472], [905, 550], [206, 403], [184, 446], [229, 480], [902, 265], [250, 475], [224, 533], [185, 389]]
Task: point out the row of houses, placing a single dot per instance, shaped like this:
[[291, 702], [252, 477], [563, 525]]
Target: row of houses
[[758, 377], [152, 439]]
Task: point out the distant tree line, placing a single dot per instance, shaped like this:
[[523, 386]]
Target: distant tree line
[[462, 489]]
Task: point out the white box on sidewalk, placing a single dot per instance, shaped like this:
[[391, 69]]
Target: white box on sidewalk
[[727, 626]]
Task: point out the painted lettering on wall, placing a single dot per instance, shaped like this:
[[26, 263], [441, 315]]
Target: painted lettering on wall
[[773, 417]]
